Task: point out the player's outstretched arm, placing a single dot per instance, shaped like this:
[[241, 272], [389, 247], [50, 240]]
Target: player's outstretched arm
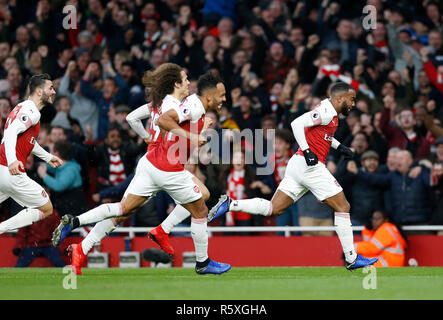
[[52, 160], [135, 118], [38, 151], [169, 121], [347, 152]]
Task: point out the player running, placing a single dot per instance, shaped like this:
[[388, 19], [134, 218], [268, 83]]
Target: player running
[[143, 187], [19, 140], [168, 82], [314, 133]]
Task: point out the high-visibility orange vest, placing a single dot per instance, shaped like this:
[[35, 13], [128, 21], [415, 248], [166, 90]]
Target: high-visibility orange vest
[[385, 243]]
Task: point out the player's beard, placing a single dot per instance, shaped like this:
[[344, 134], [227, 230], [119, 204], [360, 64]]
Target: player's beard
[[344, 109], [45, 99]]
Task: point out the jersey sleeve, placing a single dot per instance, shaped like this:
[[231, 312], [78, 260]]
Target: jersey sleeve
[[28, 114], [41, 153], [298, 128], [134, 119], [321, 116], [189, 110], [21, 122]]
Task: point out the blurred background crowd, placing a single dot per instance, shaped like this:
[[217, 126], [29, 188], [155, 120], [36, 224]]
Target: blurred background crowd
[[278, 59]]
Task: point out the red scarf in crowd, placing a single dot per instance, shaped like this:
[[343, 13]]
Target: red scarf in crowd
[[236, 189], [116, 168], [280, 164]]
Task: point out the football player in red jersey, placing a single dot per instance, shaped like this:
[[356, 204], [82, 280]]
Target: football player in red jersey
[[165, 87], [19, 141], [142, 187], [306, 170]]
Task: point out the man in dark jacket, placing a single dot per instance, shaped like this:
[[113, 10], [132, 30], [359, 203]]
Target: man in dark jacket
[[411, 196], [365, 199]]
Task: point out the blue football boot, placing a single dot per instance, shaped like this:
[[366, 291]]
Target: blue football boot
[[63, 229], [214, 268], [220, 208], [360, 262]]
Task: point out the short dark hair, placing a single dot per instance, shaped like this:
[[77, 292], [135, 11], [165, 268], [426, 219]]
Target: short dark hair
[[341, 87], [115, 126], [38, 81], [209, 80], [64, 148], [128, 64]]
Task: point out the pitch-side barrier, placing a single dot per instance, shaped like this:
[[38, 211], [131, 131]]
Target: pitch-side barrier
[[285, 229]]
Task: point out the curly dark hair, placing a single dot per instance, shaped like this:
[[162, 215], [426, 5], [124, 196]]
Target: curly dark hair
[[160, 82]]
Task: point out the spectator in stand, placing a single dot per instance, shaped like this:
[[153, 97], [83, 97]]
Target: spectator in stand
[[403, 134], [62, 118], [435, 39], [114, 159], [390, 166], [58, 67], [410, 196], [65, 182], [364, 199], [360, 144], [5, 109], [16, 85], [83, 109], [434, 73], [342, 38], [114, 89], [36, 241], [431, 122], [242, 112], [436, 167], [23, 46], [426, 90], [402, 50], [384, 240], [86, 40], [120, 111], [240, 182], [276, 66], [5, 49]]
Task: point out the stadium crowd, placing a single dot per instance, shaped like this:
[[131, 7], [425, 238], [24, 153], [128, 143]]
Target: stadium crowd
[[278, 59]]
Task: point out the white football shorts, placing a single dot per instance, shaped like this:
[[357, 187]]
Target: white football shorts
[[300, 178], [22, 189], [148, 180]]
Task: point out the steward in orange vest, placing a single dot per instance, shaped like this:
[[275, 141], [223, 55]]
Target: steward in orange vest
[[384, 241]]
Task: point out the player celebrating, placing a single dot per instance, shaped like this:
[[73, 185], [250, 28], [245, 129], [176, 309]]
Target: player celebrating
[[314, 133], [168, 82], [146, 182], [20, 139]]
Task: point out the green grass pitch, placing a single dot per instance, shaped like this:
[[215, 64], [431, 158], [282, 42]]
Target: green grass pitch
[[291, 283]]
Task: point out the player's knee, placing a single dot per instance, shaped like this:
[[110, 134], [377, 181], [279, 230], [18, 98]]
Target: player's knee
[[276, 211], [205, 195], [47, 209], [202, 212], [345, 207], [125, 210]]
